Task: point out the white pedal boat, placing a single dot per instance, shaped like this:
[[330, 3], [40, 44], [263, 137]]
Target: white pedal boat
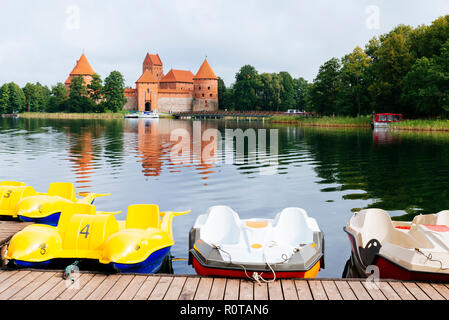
[[289, 246], [417, 250]]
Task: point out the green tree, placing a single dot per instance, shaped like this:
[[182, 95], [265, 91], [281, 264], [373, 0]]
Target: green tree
[[325, 88], [36, 97], [246, 87], [287, 91], [113, 92], [78, 100], [4, 98], [94, 91], [58, 97], [221, 93], [270, 88], [354, 84], [16, 99], [302, 94]]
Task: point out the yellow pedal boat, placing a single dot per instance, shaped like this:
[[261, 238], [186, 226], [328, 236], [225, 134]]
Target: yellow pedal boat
[[137, 245], [18, 200]]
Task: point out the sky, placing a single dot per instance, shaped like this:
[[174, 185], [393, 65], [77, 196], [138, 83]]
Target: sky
[[40, 41]]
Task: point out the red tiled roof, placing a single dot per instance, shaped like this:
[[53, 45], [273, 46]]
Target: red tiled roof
[[205, 72], [154, 59], [82, 67], [178, 76], [147, 77]]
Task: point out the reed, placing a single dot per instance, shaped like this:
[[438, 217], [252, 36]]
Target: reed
[[363, 121], [62, 115], [423, 125]]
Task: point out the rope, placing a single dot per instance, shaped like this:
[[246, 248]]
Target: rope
[[430, 258], [256, 276], [68, 271]]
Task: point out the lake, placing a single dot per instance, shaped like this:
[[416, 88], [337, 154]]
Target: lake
[[192, 165]]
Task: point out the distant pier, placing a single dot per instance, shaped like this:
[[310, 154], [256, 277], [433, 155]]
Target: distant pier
[[226, 115]]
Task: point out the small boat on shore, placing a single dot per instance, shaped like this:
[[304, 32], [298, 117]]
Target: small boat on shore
[[149, 115], [289, 246], [138, 245], [383, 120], [17, 200], [417, 250]]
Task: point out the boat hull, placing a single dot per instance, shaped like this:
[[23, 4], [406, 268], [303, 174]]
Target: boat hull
[[204, 270], [51, 220], [389, 269]]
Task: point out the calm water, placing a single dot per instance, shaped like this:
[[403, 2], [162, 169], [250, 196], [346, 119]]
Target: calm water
[[330, 173]]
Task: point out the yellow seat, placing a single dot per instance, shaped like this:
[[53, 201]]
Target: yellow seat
[[12, 183], [143, 216], [62, 189]]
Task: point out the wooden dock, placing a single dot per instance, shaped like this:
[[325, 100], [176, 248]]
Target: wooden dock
[[49, 285]]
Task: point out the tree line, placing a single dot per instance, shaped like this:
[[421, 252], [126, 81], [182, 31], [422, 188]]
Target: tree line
[[95, 97], [403, 71]]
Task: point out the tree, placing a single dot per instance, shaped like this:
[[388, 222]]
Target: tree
[[246, 87], [16, 99], [269, 95], [354, 83], [113, 92], [302, 94], [36, 97], [325, 88], [426, 85], [221, 93], [78, 100], [4, 98], [94, 91], [58, 97], [287, 91]]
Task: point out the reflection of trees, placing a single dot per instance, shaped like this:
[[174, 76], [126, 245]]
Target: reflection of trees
[[411, 175]]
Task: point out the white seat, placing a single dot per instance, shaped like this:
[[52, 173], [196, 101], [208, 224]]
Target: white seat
[[292, 227], [222, 226], [443, 218]]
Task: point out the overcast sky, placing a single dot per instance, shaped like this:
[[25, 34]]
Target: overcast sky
[[41, 40]]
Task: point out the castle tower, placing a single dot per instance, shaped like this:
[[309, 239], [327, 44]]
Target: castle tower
[[205, 85], [153, 63], [147, 92], [82, 68]]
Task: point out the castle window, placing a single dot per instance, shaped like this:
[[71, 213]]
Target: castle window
[[203, 94], [211, 94], [199, 88], [208, 88], [148, 90]]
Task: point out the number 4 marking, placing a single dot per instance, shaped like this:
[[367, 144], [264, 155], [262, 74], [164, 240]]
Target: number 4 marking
[[85, 231]]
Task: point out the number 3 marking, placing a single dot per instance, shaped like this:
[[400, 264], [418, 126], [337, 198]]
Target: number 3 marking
[[85, 231]]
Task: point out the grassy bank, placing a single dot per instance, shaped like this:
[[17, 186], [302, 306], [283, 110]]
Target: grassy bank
[[62, 115], [422, 125], [360, 122]]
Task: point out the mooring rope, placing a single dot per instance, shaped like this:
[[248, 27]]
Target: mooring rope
[[430, 258]]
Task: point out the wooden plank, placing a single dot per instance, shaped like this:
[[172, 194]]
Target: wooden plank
[[260, 291], [203, 290], [232, 289], [89, 287], [345, 290], [13, 278], [188, 292], [430, 291], [19, 285], [275, 291], [132, 288], [48, 285], [388, 291], [74, 289], [246, 290], [317, 289], [442, 289], [289, 289], [416, 291], [104, 287], [41, 280], [359, 290], [218, 289], [401, 290], [175, 289], [303, 290], [161, 288], [147, 287], [6, 274], [118, 288], [331, 290], [373, 290]]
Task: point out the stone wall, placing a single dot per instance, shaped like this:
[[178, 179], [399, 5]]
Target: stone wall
[[175, 104], [131, 103], [205, 105]]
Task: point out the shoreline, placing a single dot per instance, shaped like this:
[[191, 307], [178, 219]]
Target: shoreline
[[61, 115]]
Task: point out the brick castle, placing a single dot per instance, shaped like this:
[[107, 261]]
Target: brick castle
[[176, 91]]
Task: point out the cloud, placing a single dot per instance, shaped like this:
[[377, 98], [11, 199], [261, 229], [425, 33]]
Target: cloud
[[40, 41]]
